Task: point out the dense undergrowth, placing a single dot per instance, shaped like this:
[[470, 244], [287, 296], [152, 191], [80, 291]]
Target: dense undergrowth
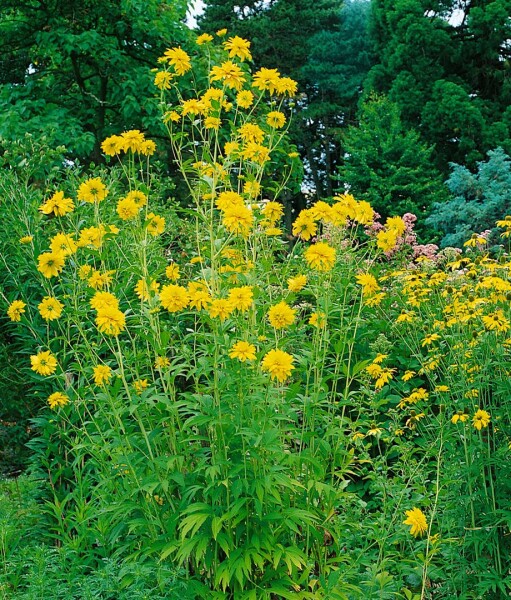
[[225, 410]]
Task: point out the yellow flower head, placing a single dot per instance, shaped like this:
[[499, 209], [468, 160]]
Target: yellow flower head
[[417, 521], [241, 298], [276, 119], [228, 73], [295, 284], [57, 399], [102, 374], [127, 209], [113, 145], [163, 79], [50, 263], [286, 86], [58, 205], [155, 224], [138, 197], [26, 239], [15, 310], [63, 243], [320, 256], [174, 297], [172, 272], [266, 79], [245, 99], [281, 315], [140, 385], [102, 300], [238, 219], [386, 240], [144, 291], [481, 419], [278, 364], [305, 225], [238, 48], [251, 132], [91, 236], [369, 284], [203, 39], [92, 190], [256, 153], [111, 320], [50, 308], [221, 308], [44, 363], [161, 362], [227, 200], [243, 351], [179, 59]]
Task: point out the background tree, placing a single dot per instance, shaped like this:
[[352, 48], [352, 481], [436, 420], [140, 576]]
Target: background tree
[[479, 199], [446, 65], [79, 70]]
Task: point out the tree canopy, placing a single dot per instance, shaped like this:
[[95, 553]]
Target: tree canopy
[[79, 70]]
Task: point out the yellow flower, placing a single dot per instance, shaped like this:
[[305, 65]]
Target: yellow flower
[[384, 377], [321, 211], [386, 240], [462, 417], [369, 284], [238, 47], [15, 310], [127, 209], [320, 256], [199, 298], [192, 107], [221, 32], [148, 148], [276, 119], [174, 297], [203, 39], [228, 200], [155, 225], [132, 140], [266, 79], [64, 244], [295, 284], [44, 363], [481, 419], [278, 364], [140, 385], [395, 224], [364, 214], [429, 339], [238, 219], [138, 197], [50, 308], [245, 99], [304, 225], [26, 239], [102, 300], [50, 263], [496, 321], [92, 190], [229, 73], [408, 375], [252, 189], [251, 132], [286, 85], [98, 280], [172, 272], [220, 308], [317, 319], [57, 399], [161, 362], [58, 205], [272, 211], [172, 116], [256, 153], [212, 123], [112, 145], [417, 521], [241, 298], [102, 374], [162, 80], [243, 351], [143, 291], [179, 59], [281, 315], [91, 236], [110, 320]]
